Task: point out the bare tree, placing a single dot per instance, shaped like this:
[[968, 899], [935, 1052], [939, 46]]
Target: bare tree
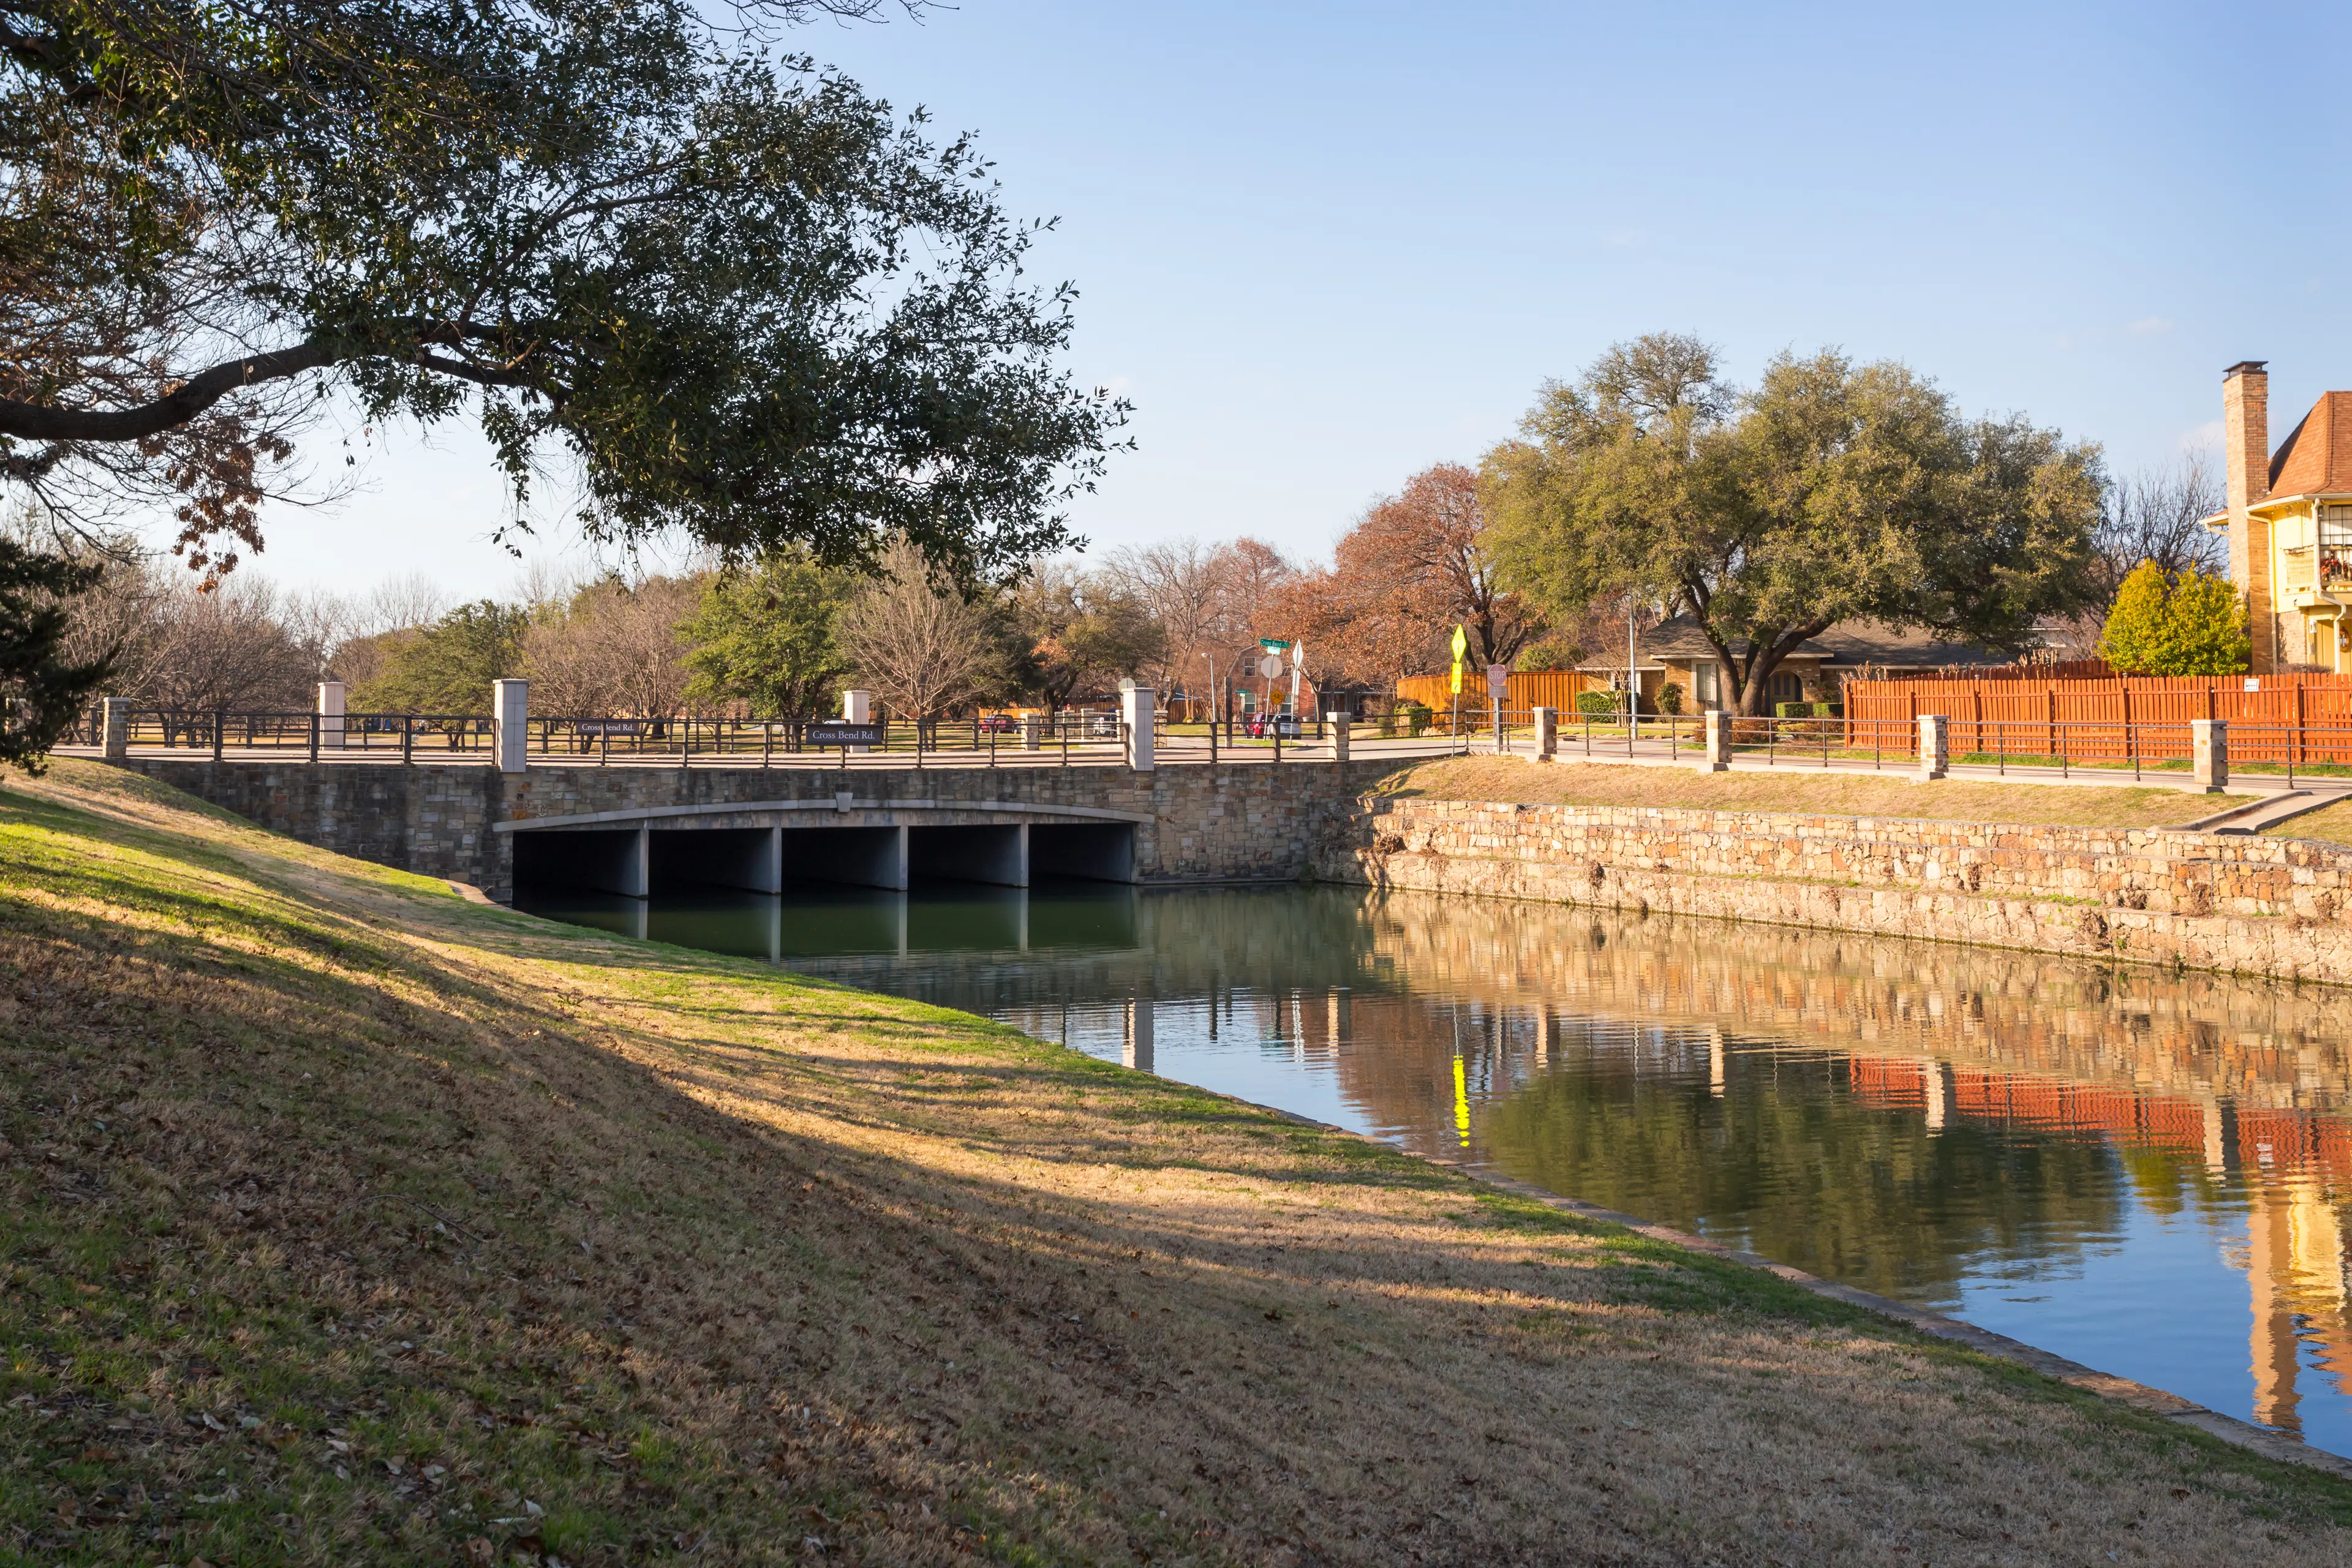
[[401, 604], [921, 651], [1180, 587], [2158, 514], [229, 649], [614, 649]]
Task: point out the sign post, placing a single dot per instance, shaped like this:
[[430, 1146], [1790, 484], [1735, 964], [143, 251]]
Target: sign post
[[1461, 646]]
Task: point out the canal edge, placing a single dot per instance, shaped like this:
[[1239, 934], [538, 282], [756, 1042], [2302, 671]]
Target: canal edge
[[2139, 1396]]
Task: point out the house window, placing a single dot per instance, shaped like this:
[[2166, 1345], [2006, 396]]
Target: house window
[[1702, 685], [1786, 687], [2335, 545]]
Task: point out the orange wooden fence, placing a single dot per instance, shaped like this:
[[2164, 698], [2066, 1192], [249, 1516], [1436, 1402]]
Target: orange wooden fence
[[1529, 689], [2299, 719]]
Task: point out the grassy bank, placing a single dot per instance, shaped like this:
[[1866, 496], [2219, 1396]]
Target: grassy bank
[[2329, 825], [345, 1220], [1800, 789]]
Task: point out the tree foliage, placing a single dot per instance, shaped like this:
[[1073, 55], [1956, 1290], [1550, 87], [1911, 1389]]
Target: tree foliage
[[1417, 565], [735, 294], [770, 638], [2155, 626], [448, 667], [1831, 491], [42, 687], [1085, 631]]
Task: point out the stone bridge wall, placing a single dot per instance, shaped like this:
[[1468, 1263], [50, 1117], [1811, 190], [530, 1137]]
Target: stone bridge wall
[[1204, 823], [2204, 900]]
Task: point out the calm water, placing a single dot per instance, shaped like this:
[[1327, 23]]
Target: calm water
[[2146, 1172]]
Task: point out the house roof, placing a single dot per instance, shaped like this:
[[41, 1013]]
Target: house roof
[[1846, 642], [2316, 458]]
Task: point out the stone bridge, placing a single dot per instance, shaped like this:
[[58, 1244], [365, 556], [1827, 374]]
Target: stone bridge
[[633, 830]]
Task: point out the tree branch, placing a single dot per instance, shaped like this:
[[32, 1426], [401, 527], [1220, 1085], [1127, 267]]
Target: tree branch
[[38, 421]]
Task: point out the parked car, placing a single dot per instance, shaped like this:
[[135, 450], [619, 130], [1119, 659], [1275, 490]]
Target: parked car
[[1265, 726], [998, 723]]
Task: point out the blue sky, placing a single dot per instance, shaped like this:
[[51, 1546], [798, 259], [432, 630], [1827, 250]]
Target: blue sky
[[1323, 246]]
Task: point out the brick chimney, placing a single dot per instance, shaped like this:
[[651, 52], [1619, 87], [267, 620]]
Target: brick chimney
[[2246, 431]]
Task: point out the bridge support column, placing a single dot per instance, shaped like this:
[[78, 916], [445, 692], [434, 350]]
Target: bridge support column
[[1546, 734], [1339, 725], [333, 696], [116, 736]]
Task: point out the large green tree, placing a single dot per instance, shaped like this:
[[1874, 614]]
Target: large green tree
[[446, 669], [770, 638], [730, 292], [1833, 492]]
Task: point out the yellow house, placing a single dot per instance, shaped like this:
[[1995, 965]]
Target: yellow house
[[2290, 524]]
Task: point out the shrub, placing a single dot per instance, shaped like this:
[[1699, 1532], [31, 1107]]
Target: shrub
[[2156, 628], [1669, 698], [1599, 704], [1415, 716], [1805, 710]]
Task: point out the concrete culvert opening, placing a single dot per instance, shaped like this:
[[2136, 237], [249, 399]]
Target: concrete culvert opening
[[743, 857], [1095, 851], [596, 860], [998, 855], [860, 857]]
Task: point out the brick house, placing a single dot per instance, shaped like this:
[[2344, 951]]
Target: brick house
[[2290, 523]]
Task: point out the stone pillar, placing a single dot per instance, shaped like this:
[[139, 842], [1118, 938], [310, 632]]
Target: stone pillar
[[1339, 724], [1934, 746], [2208, 740], [1714, 756], [510, 725], [1134, 708], [857, 708], [332, 707], [1546, 734], [116, 736], [1032, 731]]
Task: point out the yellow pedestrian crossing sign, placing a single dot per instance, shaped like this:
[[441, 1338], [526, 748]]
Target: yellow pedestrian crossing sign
[[1461, 646]]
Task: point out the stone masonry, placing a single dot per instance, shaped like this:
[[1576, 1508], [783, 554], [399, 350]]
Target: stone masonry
[[2200, 900], [1224, 822]]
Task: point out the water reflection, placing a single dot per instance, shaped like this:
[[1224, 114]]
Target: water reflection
[[2145, 1171]]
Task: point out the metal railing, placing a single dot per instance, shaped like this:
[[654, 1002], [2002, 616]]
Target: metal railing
[[1072, 738]]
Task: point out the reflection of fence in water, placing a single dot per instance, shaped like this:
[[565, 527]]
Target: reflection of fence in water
[[2197, 1034]]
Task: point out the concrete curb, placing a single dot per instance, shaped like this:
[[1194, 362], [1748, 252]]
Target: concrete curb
[[2261, 1440]]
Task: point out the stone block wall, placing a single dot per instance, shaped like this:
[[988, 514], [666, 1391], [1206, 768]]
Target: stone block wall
[[1251, 821], [2203, 900]]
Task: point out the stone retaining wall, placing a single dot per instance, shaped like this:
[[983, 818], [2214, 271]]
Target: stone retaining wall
[[2203, 900]]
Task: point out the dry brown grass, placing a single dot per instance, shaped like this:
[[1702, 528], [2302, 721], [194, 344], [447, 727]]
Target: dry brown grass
[[467, 1215], [1812, 791], [2329, 823]]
